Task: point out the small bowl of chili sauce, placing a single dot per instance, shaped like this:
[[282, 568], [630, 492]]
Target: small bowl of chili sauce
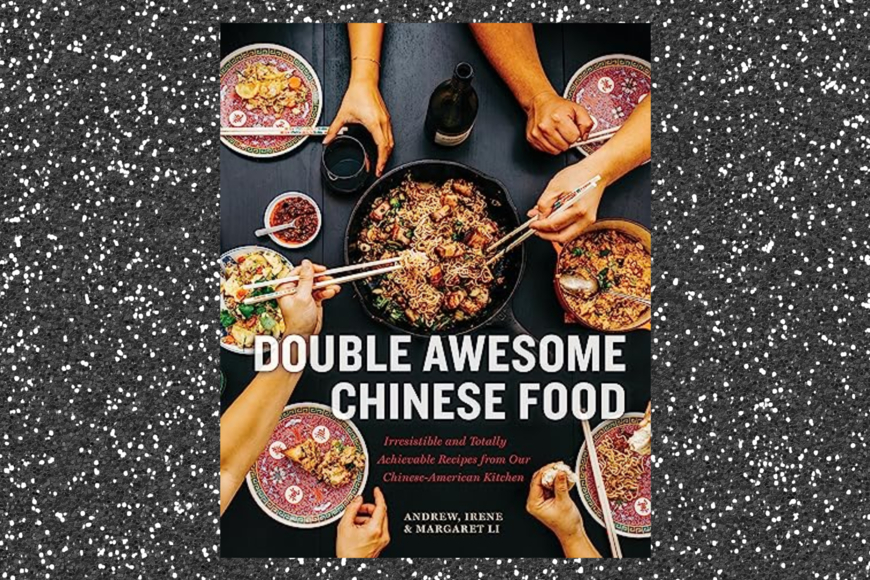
[[287, 207]]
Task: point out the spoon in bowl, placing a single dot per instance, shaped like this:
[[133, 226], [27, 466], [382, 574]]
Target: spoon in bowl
[[266, 231], [588, 287]]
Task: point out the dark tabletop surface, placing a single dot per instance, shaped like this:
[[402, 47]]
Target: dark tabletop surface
[[415, 59]]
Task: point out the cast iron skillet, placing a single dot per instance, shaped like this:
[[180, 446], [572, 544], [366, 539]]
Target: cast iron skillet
[[498, 312]]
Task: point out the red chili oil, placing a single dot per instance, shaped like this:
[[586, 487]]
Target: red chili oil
[[305, 214]]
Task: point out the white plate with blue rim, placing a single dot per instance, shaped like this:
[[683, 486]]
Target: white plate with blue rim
[[231, 257]]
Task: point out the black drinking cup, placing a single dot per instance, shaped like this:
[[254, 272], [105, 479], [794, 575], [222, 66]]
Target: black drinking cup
[[346, 163]]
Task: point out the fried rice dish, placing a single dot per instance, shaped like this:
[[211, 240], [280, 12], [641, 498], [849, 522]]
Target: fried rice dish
[[618, 262], [440, 232]]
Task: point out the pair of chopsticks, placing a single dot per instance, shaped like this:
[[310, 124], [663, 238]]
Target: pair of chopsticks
[[615, 548], [391, 266], [561, 205], [599, 136], [274, 131]]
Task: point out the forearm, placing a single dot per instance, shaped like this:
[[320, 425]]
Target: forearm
[[365, 51], [628, 148], [248, 424], [512, 51], [578, 546]]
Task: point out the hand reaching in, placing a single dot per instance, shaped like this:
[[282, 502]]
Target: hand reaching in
[[567, 225], [363, 104], [303, 311], [363, 531], [555, 124], [555, 509]]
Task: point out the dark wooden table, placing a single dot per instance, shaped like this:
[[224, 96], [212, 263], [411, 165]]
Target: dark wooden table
[[416, 58]]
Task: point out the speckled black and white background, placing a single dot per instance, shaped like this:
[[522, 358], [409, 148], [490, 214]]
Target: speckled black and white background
[[109, 209]]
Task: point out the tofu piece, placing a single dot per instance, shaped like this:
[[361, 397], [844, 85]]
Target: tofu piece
[[470, 306], [462, 188], [440, 213], [398, 235], [476, 239], [452, 300], [449, 250], [480, 295], [436, 276], [379, 212], [477, 299], [450, 200]]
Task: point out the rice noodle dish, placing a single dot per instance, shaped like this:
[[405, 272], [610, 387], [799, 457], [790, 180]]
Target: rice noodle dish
[[440, 233]]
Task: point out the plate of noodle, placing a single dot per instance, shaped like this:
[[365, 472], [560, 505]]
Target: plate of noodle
[[437, 218], [627, 477], [267, 85], [617, 254]]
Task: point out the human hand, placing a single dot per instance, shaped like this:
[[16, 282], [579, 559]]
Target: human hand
[[363, 104], [363, 531], [555, 124], [303, 310], [555, 509], [567, 225]]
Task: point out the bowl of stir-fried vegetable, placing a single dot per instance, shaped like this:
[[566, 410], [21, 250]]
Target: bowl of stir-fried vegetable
[[242, 323]]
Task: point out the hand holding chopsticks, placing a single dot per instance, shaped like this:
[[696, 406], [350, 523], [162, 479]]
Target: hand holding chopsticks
[[562, 204], [393, 266], [598, 136]]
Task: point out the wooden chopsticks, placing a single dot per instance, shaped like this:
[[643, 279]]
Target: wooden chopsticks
[[274, 131], [561, 205], [597, 136], [324, 283], [615, 548]]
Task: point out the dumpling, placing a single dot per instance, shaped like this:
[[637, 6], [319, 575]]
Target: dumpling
[[549, 477], [641, 440]]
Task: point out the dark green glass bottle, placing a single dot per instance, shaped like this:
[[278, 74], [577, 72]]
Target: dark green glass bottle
[[452, 108]]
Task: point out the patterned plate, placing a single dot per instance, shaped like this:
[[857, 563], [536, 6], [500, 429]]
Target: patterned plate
[[632, 519], [226, 258], [609, 87], [285, 491], [234, 113]]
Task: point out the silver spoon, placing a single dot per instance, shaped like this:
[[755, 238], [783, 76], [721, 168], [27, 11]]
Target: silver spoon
[[588, 287], [266, 231]]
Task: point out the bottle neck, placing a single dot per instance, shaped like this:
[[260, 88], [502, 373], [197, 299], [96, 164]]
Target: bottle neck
[[459, 85], [463, 74]]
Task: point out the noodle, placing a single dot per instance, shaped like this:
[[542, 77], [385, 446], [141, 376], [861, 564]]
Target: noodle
[[440, 233], [622, 469]]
